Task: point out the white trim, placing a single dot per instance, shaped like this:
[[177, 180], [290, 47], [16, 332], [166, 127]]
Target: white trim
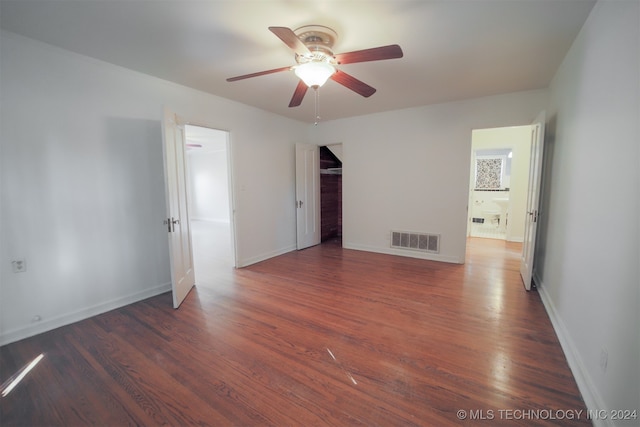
[[82, 314], [592, 398], [404, 253], [256, 259]]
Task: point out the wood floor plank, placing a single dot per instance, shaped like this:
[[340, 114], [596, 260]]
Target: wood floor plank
[[323, 336]]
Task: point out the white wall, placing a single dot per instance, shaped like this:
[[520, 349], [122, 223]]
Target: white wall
[[83, 190], [207, 167], [409, 169], [209, 199], [518, 139], [588, 250]]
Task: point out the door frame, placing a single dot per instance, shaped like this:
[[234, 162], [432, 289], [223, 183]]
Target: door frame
[[518, 144], [183, 121], [230, 181], [229, 189]]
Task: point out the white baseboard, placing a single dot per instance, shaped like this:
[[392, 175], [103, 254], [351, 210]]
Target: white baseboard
[[592, 398], [388, 251], [84, 313], [404, 253], [256, 259]]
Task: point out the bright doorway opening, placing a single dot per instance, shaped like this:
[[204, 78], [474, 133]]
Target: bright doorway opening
[[498, 186], [210, 205]]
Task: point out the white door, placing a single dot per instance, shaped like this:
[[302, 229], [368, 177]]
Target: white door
[[307, 195], [533, 199], [177, 222]]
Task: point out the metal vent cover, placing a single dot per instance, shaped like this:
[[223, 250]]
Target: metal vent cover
[[424, 242]]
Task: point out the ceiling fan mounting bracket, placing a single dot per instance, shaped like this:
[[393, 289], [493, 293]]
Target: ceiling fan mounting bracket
[[317, 35]]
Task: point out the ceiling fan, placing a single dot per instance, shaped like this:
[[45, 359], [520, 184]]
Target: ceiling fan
[[316, 62]]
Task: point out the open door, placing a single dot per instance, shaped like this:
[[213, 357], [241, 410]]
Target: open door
[[177, 222], [307, 195], [533, 199]]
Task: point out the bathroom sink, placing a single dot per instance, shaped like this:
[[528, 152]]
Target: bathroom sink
[[503, 202]]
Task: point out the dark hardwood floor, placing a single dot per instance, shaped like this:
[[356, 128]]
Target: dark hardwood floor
[[323, 336]]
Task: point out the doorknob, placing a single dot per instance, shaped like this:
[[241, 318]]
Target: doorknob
[[171, 224]]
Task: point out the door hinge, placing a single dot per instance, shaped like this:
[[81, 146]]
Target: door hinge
[[167, 222]]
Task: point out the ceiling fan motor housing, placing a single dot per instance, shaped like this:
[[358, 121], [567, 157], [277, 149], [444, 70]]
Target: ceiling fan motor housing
[[319, 40]]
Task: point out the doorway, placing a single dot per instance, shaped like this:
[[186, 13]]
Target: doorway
[[331, 193], [498, 184], [318, 194], [210, 204]]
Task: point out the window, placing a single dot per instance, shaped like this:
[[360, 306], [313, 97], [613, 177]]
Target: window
[[490, 172]]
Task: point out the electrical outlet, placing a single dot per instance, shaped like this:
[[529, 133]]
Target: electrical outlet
[[604, 360], [19, 265]]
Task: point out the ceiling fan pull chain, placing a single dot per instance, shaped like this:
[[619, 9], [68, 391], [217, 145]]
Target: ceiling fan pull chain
[[317, 96]]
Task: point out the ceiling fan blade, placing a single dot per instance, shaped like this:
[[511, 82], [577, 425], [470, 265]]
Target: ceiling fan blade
[[259, 73], [290, 39], [352, 83], [374, 54], [298, 94]]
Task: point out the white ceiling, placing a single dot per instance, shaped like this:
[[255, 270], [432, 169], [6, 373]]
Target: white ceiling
[[453, 49]]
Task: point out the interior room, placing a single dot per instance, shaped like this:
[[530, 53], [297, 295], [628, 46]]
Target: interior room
[[499, 182], [209, 202], [402, 316]]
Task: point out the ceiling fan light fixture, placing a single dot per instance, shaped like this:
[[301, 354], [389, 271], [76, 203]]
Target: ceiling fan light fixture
[[315, 73]]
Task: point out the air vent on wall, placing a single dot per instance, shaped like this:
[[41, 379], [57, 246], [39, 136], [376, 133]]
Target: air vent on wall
[[416, 241]]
